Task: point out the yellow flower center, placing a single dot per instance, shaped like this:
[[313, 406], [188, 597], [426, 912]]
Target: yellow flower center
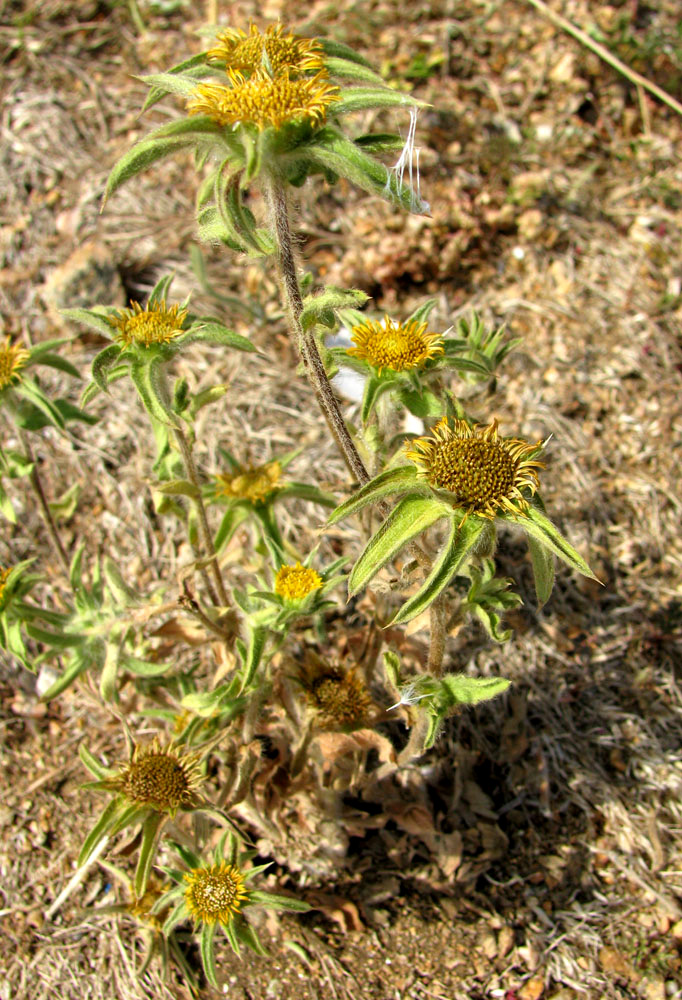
[[339, 699], [274, 51], [264, 101], [293, 583], [154, 325], [395, 345], [250, 484], [12, 359], [157, 779], [485, 473], [4, 573], [215, 893]]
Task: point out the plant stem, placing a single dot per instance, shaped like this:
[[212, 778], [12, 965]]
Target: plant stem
[[438, 620], [37, 484], [207, 541], [279, 209]]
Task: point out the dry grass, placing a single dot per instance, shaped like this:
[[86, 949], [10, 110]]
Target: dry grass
[[557, 208]]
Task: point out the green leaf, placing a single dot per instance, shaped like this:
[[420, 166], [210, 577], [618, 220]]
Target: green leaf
[[331, 298], [375, 386], [205, 398], [65, 505], [245, 933], [458, 548], [95, 768], [333, 151], [195, 67], [254, 651], [422, 312], [142, 155], [149, 382], [107, 682], [6, 508], [346, 69], [398, 480], [75, 667], [102, 365], [99, 830], [37, 398], [93, 320], [539, 526], [171, 83], [159, 292], [364, 98], [61, 364], [274, 901], [471, 690], [338, 50], [179, 488], [142, 668], [150, 836], [542, 560], [211, 332], [413, 515], [423, 404], [232, 518], [207, 949]]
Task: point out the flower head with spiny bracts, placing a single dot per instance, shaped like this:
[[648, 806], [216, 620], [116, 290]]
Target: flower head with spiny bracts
[[215, 893], [398, 346], [155, 324], [295, 583], [272, 51], [486, 475], [160, 777], [254, 483], [12, 359], [4, 573], [338, 698], [265, 101]]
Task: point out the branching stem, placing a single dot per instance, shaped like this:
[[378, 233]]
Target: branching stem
[[207, 541], [38, 489]]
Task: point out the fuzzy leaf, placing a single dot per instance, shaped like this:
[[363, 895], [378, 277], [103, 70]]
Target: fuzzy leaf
[[207, 949], [171, 83], [413, 515], [95, 768], [457, 549], [399, 480], [142, 155], [331, 298], [364, 98], [539, 526], [470, 690], [542, 560], [215, 333], [93, 320], [99, 830], [274, 901], [346, 69], [179, 488], [150, 836]]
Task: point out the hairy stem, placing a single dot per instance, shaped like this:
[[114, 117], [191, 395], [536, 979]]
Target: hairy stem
[[279, 210], [438, 630], [37, 484], [207, 541]]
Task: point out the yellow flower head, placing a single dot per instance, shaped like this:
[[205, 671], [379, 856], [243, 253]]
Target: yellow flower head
[[154, 325], [337, 697], [215, 893], [4, 573], [160, 777], [398, 346], [253, 484], [293, 583], [485, 473], [273, 51], [12, 360], [264, 101]]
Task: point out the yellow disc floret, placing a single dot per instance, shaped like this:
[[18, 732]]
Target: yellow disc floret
[[398, 346], [154, 325], [4, 573], [160, 777], [12, 360], [215, 893], [264, 101], [274, 51], [485, 473], [253, 484], [293, 583]]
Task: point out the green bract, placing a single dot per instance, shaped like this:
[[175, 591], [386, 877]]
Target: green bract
[[145, 340], [215, 893], [269, 121]]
